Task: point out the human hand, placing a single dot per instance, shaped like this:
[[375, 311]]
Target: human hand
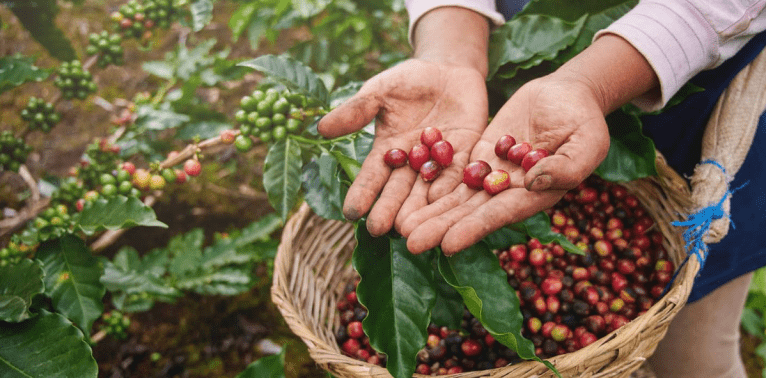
[[403, 101], [556, 113]]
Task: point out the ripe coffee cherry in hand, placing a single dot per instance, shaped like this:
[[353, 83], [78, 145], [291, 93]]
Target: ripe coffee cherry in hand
[[192, 167], [441, 153], [503, 145], [474, 174], [430, 135], [532, 158], [430, 170], [395, 158], [418, 156], [517, 152], [497, 181]]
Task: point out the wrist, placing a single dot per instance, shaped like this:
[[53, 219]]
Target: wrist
[[613, 70], [453, 36]]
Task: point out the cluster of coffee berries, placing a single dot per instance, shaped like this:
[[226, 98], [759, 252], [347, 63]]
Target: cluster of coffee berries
[[521, 154], [570, 301], [108, 46], [138, 19], [53, 222], [115, 324], [267, 115], [350, 336], [13, 253], [13, 152], [74, 81], [68, 192], [429, 157], [40, 114], [100, 157], [119, 182]]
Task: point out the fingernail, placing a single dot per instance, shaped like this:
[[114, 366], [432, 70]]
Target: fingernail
[[352, 214], [542, 182]]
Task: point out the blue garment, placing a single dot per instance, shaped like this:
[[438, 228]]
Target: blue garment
[[677, 134]]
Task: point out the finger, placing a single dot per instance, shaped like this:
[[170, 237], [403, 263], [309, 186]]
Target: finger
[[573, 161], [352, 115], [395, 191], [429, 233], [441, 206], [450, 177], [513, 206], [368, 183], [414, 202]]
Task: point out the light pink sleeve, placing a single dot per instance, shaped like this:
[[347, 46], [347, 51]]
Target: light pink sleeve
[[680, 38], [417, 8]]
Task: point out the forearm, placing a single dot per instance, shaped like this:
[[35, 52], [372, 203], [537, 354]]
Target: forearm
[[453, 35], [614, 70]]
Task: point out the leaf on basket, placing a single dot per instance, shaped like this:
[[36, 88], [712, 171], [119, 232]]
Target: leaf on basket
[[477, 275], [397, 288]]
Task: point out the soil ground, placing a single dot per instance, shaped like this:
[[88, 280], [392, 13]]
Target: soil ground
[[198, 336]]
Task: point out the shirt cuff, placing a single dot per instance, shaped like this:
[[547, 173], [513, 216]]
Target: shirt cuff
[[417, 8], [676, 40]]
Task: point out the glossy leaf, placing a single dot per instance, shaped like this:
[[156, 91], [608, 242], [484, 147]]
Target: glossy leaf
[[240, 19], [134, 278], [631, 153], [477, 275], [539, 226], [201, 13], [149, 118], [527, 41], [448, 307], [19, 283], [17, 69], [118, 212], [186, 252], [568, 10], [397, 288], [293, 74], [72, 280], [224, 281], [282, 175], [39, 18], [341, 94], [752, 322], [504, 238], [322, 187], [266, 367], [259, 230], [45, 346]]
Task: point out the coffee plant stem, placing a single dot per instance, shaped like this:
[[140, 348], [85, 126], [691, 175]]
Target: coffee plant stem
[[322, 142]]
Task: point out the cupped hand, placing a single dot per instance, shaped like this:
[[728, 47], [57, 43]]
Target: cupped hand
[[558, 114], [403, 101]]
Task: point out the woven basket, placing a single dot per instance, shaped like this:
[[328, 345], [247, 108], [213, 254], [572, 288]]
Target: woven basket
[[312, 268]]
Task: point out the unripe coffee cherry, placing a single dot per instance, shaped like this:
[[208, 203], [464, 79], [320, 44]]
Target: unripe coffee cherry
[[430, 135], [496, 181], [395, 158], [441, 153], [474, 174], [503, 145], [517, 152]]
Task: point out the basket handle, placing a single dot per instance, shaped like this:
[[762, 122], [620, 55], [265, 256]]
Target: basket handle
[[727, 139]]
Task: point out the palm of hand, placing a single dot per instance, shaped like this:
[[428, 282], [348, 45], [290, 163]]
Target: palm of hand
[[404, 100], [559, 116]]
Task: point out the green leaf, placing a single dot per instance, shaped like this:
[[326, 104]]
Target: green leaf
[[17, 69], [224, 281], [504, 238], [203, 129], [282, 175], [309, 8], [240, 19], [357, 148], [539, 226], [45, 346], [160, 69], [186, 252], [118, 212], [202, 13], [148, 118], [569, 10], [39, 18], [322, 187], [448, 308], [349, 165], [259, 230], [527, 41], [258, 27], [341, 94], [687, 90], [397, 288], [760, 351], [266, 367], [476, 274], [134, 278], [19, 283], [752, 322], [72, 280], [758, 284], [631, 153], [293, 74]]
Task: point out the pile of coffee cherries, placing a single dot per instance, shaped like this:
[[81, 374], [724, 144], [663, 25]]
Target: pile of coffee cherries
[[428, 158], [568, 301]]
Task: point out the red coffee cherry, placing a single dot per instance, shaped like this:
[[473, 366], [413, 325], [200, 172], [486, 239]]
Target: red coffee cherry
[[497, 181], [429, 171], [531, 158], [474, 173], [430, 135], [418, 156], [441, 153], [395, 158], [503, 145], [517, 152]]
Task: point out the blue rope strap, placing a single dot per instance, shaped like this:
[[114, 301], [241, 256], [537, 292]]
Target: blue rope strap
[[698, 224]]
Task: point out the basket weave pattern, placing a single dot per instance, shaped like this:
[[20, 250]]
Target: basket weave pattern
[[312, 267]]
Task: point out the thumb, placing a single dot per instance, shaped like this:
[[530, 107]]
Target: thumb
[[352, 115]]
